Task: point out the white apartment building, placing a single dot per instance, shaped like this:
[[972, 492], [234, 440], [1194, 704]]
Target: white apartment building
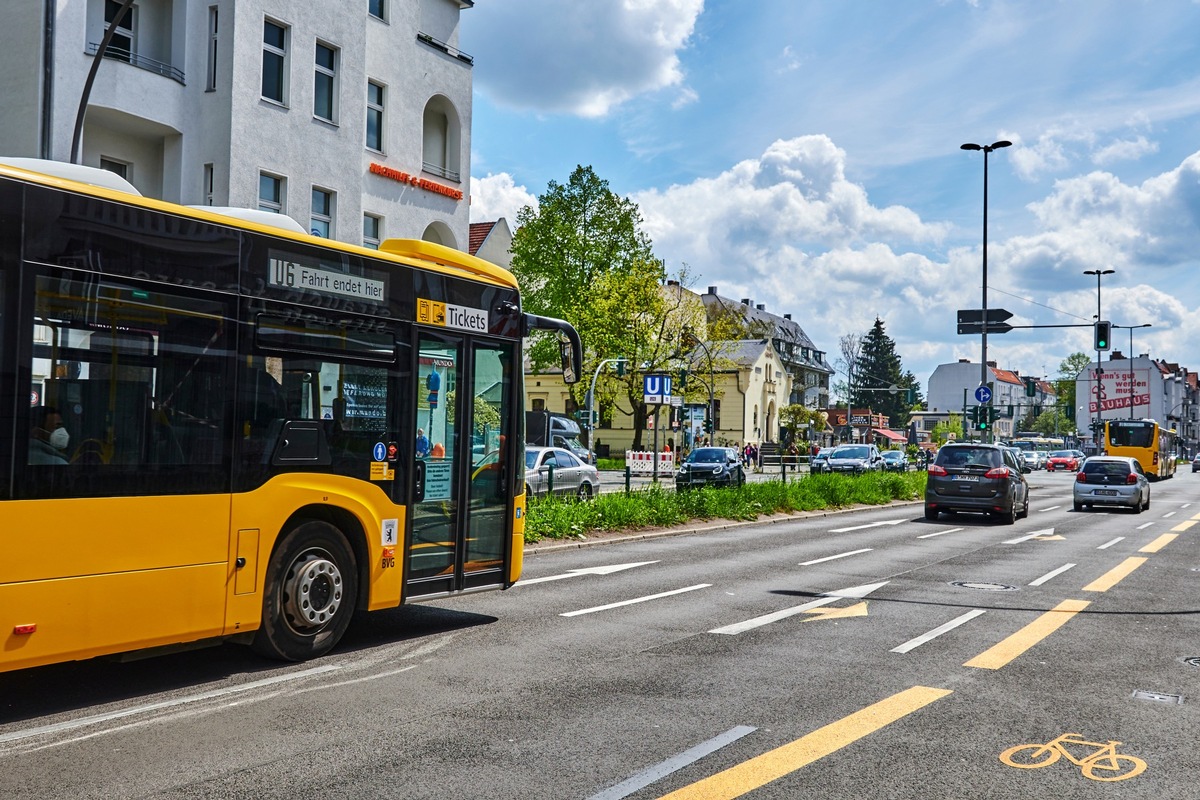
[[351, 117]]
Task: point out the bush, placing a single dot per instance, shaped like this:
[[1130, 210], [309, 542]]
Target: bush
[[558, 518]]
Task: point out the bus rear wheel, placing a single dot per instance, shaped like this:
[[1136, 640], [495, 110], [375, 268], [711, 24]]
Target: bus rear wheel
[[309, 595]]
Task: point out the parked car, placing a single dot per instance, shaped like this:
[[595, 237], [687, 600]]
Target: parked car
[[1112, 481], [895, 461], [1062, 459], [1196, 463], [820, 462], [710, 466], [977, 477], [855, 459], [571, 476]]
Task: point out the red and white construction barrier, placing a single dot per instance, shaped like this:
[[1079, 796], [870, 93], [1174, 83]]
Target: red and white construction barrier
[[641, 462]]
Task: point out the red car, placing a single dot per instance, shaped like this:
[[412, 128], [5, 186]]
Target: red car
[[1063, 459]]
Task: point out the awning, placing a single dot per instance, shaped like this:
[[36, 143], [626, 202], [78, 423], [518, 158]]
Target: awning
[[885, 433]]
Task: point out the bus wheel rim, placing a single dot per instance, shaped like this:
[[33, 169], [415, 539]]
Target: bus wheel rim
[[313, 591]]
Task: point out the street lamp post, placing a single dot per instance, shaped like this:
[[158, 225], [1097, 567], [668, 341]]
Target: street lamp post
[[1099, 368], [1132, 382], [983, 368]]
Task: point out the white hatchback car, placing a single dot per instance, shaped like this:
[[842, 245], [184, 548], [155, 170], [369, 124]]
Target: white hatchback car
[[1112, 481]]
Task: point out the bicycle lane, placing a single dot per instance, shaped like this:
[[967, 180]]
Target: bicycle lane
[[1070, 728]]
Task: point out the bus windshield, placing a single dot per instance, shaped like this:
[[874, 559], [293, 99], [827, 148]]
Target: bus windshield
[[1131, 434]]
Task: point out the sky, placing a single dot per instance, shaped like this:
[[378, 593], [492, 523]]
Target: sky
[[806, 154]]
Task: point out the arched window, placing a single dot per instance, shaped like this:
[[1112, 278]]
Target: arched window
[[441, 139]]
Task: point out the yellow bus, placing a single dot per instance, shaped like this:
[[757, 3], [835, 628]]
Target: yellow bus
[[1144, 439], [219, 429]]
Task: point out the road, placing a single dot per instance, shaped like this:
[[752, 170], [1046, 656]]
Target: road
[[867, 654]]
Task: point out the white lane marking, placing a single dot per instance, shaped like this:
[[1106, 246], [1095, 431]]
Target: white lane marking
[[1107, 545], [146, 709], [912, 644], [1028, 536], [831, 558], [940, 533], [1168, 514], [661, 770], [1144, 525], [1051, 574], [575, 573], [1185, 505], [868, 525], [645, 599], [852, 593], [1051, 508]]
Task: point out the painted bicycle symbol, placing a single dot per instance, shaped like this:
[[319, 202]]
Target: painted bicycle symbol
[[1103, 763]]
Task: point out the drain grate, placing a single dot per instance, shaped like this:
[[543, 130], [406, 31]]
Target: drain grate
[[984, 587], [1158, 697]]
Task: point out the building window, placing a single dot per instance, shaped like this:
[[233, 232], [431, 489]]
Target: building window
[[116, 167], [274, 64], [377, 9], [538, 404], [325, 83], [271, 195], [210, 76], [375, 98], [322, 214], [209, 179], [372, 225], [121, 46]]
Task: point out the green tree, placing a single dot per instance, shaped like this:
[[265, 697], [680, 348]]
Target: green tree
[[1064, 387], [877, 370], [941, 432]]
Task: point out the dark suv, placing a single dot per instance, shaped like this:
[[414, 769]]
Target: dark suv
[[977, 477]]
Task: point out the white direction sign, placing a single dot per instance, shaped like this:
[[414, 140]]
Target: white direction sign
[[656, 389]]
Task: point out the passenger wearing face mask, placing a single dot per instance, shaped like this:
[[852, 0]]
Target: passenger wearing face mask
[[49, 439]]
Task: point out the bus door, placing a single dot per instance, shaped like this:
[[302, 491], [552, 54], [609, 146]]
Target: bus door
[[460, 512]]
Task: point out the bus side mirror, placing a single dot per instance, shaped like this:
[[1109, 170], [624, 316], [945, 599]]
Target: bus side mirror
[[570, 372]]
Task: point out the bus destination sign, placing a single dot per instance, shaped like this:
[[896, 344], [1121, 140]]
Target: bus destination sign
[[292, 275]]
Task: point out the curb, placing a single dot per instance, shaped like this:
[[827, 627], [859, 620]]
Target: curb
[[687, 529]]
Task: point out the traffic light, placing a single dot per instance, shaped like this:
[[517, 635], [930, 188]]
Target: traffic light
[[683, 375], [1103, 335], [983, 417], [1030, 387], [910, 395], [621, 367], [708, 426]]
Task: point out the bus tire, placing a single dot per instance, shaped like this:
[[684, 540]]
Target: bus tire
[[309, 593]]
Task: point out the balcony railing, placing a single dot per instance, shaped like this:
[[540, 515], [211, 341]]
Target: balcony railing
[[139, 61], [440, 171], [445, 48]]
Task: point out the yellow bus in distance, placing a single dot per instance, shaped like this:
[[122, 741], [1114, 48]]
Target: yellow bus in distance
[[220, 428], [1144, 439]]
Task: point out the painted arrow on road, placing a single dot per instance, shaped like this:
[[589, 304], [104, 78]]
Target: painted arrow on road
[[852, 593], [856, 610], [1035, 535], [575, 573]]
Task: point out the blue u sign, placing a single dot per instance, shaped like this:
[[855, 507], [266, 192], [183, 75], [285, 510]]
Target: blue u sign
[[656, 385]]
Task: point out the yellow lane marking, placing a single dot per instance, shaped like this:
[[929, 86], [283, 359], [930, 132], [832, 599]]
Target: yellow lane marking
[[1183, 526], [1114, 575], [1197, 516], [1003, 652], [783, 760], [856, 610], [1160, 542]]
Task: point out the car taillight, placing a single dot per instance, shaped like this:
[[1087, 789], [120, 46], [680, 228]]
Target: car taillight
[[934, 469], [1132, 478], [998, 472], [1081, 477]]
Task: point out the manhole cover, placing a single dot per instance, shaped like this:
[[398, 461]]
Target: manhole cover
[[1191, 661], [984, 587], [1158, 697]]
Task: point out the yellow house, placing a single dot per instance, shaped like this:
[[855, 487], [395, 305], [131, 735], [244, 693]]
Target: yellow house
[[749, 386]]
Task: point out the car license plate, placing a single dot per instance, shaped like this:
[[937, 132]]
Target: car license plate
[[973, 478], [1112, 492]]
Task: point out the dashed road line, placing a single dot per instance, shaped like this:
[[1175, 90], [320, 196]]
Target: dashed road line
[[916, 642], [1051, 574], [645, 599], [832, 558]]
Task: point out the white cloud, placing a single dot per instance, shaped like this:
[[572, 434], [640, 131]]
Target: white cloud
[[1124, 150], [584, 58], [498, 196]]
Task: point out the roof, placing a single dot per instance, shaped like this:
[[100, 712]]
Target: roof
[[786, 332], [1008, 376], [478, 235], [884, 432]]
